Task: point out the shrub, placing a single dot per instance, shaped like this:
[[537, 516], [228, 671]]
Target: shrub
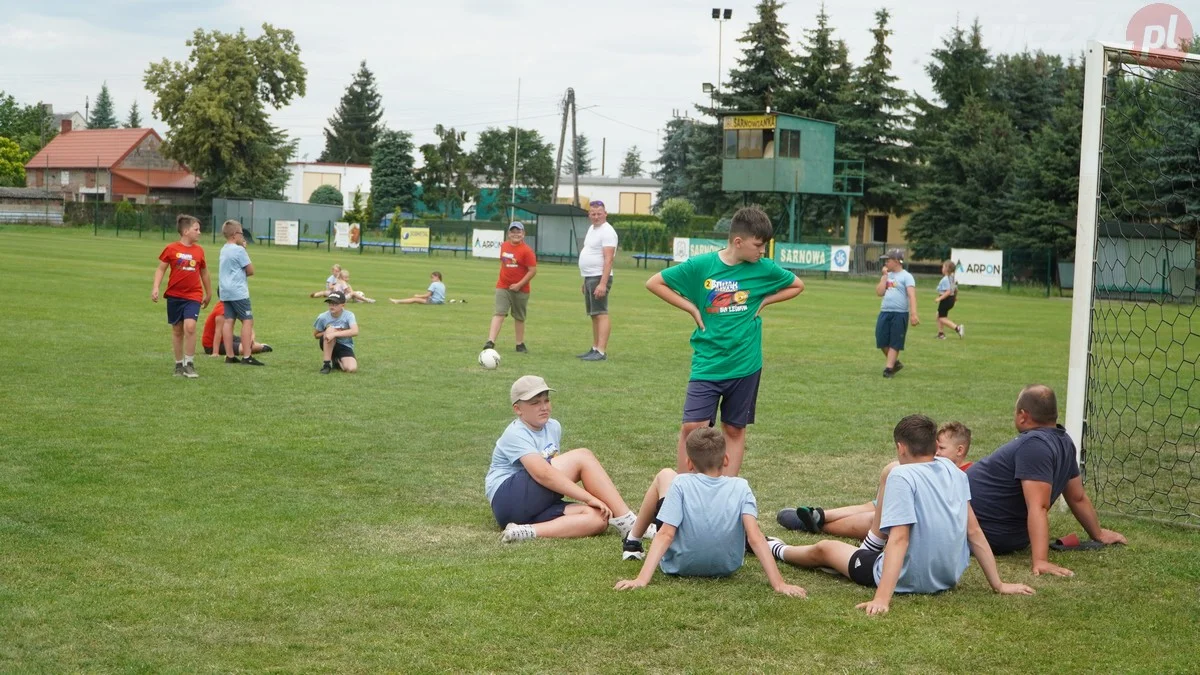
[[327, 194]]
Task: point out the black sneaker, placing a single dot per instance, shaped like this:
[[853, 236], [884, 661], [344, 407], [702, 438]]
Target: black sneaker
[[178, 370], [326, 368], [586, 354], [898, 367], [811, 517], [251, 361], [521, 348], [266, 349], [489, 345], [888, 372], [232, 359], [189, 371], [594, 356], [632, 550]]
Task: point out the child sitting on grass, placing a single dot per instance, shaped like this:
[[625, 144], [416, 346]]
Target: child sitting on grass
[[705, 520]]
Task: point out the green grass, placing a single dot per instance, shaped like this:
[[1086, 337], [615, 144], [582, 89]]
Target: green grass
[[274, 519]]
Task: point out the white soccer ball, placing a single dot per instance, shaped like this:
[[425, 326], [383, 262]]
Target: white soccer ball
[[489, 359]]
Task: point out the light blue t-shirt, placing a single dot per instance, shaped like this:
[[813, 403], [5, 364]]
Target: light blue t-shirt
[[932, 498], [947, 283], [895, 298], [710, 540], [517, 441], [343, 322], [439, 293], [231, 278]]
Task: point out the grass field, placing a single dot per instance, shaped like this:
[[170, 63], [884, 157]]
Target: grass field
[[274, 519]]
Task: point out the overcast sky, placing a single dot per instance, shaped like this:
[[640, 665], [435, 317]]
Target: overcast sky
[[457, 62]]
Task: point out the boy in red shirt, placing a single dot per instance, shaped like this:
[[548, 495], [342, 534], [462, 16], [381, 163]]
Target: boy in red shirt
[[188, 290], [213, 326], [518, 265]]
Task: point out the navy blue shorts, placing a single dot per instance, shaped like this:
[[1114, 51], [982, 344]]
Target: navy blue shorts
[[737, 398], [862, 567], [238, 309], [522, 500], [890, 330], [179, 309], [340, 351]]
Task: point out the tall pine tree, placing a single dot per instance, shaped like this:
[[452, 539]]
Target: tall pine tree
[[392, 180], [822, 74], [103, 115], [766, 63], [632, 166], [579, 158], [354, 127], [134, 121], [672, 161], [875, 130]]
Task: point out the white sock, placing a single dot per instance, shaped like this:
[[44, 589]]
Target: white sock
[[598, 351], [873, 543], [624, 524], [777, 549], [187, 360], [179, 363]]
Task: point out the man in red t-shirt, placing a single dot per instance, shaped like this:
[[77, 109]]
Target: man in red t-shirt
[[212, 327], [518, 265], [188, 290]]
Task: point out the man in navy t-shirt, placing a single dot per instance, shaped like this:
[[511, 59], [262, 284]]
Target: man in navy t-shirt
[[1012, 488]]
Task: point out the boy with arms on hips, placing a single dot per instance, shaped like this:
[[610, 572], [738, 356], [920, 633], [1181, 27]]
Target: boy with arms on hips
[[854, 522], [925, 514], [188, 290], [725, 292], [705, 521], [528, 477], [235, 292], [899, 308], [335, 330]]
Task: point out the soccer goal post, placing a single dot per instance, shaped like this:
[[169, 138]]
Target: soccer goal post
[[1132, 404]]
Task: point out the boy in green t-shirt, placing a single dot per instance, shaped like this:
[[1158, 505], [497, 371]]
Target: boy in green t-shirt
[[724, 292]]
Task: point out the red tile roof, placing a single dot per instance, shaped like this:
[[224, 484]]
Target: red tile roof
[[88, 148], [158, 178]]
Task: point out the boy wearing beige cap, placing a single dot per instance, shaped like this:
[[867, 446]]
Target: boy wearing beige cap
[[528, 477]]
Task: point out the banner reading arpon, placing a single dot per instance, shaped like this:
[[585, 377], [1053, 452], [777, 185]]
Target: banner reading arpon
[[974, 267], [486, 243], [414, 239], [287, 232]]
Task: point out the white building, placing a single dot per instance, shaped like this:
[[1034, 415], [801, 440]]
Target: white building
[[620, 195], [304, 177]]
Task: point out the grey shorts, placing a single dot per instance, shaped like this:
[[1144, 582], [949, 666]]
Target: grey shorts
[[595, 306], [238, 309], [514, 302]]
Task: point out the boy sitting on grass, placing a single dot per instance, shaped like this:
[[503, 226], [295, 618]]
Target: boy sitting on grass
[[528, 477], [704, 520], [854, 522], [925, 512]]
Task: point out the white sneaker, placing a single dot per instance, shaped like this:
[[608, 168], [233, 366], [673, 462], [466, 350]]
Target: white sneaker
[[960, 330], [514, 532], [650, 532]]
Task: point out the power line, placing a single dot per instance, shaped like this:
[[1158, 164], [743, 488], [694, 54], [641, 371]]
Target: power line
[[648, 131]]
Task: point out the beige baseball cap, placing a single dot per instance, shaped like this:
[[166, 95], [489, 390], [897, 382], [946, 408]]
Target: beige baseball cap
[[527, 387]]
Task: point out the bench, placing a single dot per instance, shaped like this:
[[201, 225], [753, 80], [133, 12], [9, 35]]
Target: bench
[[450, 247], [643, 259], [379, 244], [302, 240]]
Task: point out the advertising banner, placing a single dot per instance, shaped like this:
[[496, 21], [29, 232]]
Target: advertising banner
[[414, 239], [287, 232], [974, 267], [486, 243]]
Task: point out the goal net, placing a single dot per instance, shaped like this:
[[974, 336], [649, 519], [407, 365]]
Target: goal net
[[1132, 399]]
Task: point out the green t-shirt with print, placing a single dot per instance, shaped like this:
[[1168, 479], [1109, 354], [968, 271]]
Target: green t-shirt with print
[[728, 297]]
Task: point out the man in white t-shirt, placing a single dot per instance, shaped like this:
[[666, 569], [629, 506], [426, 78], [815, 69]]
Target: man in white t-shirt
[[595, 266]]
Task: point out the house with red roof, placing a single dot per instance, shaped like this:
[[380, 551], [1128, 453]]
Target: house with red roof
[[110, 165]]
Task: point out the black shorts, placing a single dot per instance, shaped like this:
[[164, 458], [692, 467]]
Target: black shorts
[[522, 500], [179, 309], [890, 330], [737, 397], [862, 567], [340, 351], [237, 346], [658, 507], [945, 306]]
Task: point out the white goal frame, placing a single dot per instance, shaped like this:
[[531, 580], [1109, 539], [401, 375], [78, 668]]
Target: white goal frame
[[1100, 57]]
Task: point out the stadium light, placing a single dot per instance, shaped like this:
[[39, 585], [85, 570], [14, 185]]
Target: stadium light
[[720, 15]]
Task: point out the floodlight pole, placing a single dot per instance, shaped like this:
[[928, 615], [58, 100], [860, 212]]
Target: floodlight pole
[[721, 15], [512, 197]]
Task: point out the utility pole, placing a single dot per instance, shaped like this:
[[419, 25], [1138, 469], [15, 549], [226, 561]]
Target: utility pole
[[568, 104], [512, 199], [574, 153]]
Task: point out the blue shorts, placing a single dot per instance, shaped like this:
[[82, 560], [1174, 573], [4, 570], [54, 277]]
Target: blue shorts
[[737, 397], [890, 330], [522, 500], [238, 309], [179, 309]]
